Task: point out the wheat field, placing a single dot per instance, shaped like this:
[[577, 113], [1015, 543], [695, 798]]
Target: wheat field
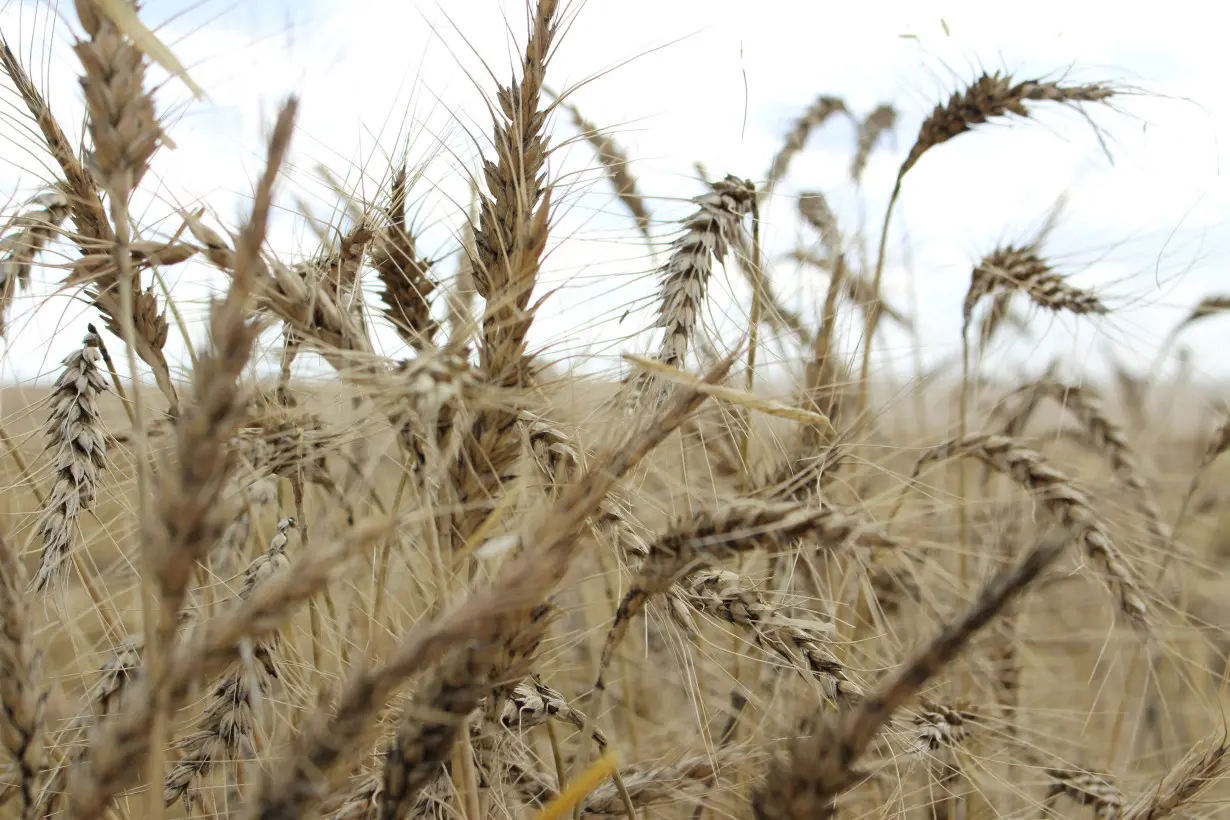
[[463, 581]]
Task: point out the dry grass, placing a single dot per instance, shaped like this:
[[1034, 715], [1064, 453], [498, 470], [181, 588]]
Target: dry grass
[[441, 583]]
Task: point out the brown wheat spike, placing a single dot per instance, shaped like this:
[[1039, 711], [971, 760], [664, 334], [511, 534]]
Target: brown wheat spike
[[122, 120], [936, 732], [404, 274], [125, 134], [227, 728], [32, 231], [814, 208], [430, 726], [990, 96], [480, 627], [937, 727], [81, 190], [509, 243], [722, 595], [301, 297], [1206, 307], [710, 537], [1059, 495], [533, 703], [614, 161], [1086, 788], [23, 696], [804, 784], [812, 119], [76, 433], [512, 232], [1204, 765], [707, 237], [519, 770], [104, 698], [1011, 268], [1106, 436], [873, 127]]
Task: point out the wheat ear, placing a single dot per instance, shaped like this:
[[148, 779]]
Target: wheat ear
[[708, 538], [1204, 764], [870, 131], [614, 161], [513, 221], [820, 766], [404, 274], [1106, 436], [685, 281], [76, 432], [227, 729], [1059, 495], [33, 230], [812, 119], [721, 595], [23, 695]]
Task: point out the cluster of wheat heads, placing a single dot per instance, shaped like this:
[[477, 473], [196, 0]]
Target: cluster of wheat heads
[[442, 585]]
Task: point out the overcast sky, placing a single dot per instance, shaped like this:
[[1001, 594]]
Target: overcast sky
[[681, 81]]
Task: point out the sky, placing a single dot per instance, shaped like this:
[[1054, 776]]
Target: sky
[[677, 82]]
